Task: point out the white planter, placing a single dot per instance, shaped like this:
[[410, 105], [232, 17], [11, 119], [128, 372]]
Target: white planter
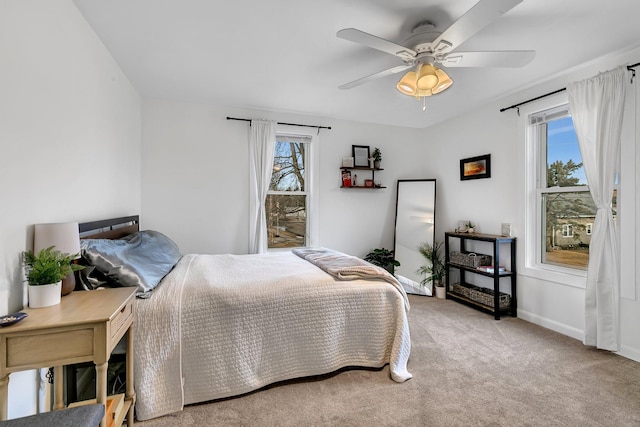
[[440, 291], [41, 296]]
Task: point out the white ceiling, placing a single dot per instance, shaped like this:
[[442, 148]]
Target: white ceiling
[[283, 55]]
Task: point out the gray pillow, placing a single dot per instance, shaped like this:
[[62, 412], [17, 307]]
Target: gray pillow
[[141, 259]]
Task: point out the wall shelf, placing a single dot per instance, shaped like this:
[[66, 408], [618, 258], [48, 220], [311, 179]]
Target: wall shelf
[[363, 168]]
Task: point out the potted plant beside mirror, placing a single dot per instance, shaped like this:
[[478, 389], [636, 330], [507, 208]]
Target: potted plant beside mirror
[[434, 270], [45, 271], [383, 258]]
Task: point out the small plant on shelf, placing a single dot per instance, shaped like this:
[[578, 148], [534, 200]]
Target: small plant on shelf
[[383, 258], [377, 157]]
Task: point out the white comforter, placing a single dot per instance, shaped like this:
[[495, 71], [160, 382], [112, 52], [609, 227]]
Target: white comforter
[[223, 325]]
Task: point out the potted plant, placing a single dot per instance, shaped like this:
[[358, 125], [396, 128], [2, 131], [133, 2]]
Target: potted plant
[[383, 258], [377, 158], [45, 271], [434, 270]]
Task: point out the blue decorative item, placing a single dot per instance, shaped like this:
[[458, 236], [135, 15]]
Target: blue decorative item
[[10, 319]]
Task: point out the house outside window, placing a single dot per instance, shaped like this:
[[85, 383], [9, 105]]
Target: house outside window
[[588, 229], [287, 203]]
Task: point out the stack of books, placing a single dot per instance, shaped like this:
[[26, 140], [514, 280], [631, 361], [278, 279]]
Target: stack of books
[[490, 268]]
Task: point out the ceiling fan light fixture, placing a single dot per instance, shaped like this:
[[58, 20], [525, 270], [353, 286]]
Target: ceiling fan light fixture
[[421, 93], [444, 81], [427, 78], [407, 84], [443, 45]]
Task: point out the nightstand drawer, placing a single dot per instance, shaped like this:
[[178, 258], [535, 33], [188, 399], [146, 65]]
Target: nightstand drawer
[[122, 320], [37, 349]]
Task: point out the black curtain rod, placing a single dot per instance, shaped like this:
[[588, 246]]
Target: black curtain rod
[[629, 67], [281, 123]]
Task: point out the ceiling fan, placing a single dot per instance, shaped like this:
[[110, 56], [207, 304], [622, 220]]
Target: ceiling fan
[[426, 47]]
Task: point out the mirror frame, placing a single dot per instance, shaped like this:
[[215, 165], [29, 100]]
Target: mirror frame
[[409, 283]]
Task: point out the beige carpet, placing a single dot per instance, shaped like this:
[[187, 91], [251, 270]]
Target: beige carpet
[[469, 370]]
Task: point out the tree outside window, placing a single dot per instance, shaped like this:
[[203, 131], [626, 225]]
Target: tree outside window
[[286, 204]]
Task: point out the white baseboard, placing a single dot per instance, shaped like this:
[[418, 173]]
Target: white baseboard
[[552, 324], [629, 353], [625, 351]]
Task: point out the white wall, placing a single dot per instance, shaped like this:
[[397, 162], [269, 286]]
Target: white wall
[[489, 202], [198, 159], [70, 130], [195, 177]]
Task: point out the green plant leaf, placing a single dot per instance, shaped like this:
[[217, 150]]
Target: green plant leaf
[[49, 266]]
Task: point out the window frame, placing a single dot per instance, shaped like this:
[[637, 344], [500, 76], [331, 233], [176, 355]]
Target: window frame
[[311, 178], [532, 160], [626, 202]]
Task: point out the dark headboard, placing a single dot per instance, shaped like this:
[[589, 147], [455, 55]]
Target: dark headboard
[[113, 228]]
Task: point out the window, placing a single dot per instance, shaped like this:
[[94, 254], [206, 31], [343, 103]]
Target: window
[[567, 230], [563, 203], [287, 203], [588, 229]]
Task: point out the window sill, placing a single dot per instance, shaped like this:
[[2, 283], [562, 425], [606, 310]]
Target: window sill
[[560, 275]]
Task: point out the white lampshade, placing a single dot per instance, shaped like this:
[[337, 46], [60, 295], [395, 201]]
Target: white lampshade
[[423, 93], [444, 81], [64, 236], [407, 83], [427, 78]]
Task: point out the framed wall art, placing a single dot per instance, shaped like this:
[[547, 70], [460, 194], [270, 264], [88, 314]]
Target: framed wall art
[[360, 155], [475, 167]]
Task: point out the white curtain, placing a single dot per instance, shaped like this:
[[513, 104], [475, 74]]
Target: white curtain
[[597, 106], [261, 146]]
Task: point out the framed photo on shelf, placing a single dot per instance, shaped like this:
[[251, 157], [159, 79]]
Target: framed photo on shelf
[[475, 167], [506, 229], [360, 155], [347, 162]]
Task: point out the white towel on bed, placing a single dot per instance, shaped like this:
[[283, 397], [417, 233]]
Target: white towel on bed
[[347, 267]]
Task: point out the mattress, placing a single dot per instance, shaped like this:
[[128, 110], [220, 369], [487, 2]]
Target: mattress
[[223, 325]]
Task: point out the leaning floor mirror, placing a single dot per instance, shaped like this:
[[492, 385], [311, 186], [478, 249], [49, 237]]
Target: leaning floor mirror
[[415, 221]]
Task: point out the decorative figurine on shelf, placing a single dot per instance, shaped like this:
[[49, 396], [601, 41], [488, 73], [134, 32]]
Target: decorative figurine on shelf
[[465, 227], [377, 158], [355, 180], [346, 178]]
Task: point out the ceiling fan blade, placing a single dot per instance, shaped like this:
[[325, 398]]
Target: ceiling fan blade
[[479, 16], [363, 80], [378, 43], [505, 58]]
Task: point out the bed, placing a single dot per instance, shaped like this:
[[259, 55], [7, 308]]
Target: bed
[[218, 326]]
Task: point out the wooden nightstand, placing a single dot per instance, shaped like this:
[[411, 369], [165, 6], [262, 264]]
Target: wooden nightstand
[[84, 327]]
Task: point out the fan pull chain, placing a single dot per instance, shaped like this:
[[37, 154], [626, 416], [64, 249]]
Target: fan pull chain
[[424, 103]]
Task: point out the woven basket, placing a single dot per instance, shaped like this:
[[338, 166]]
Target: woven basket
[[486, 296], [470, 259], [462, 289]]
